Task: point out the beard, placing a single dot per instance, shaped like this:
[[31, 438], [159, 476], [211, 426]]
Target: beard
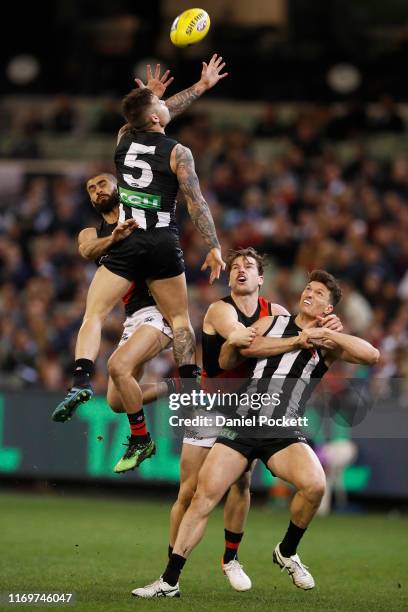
[[107, 204]]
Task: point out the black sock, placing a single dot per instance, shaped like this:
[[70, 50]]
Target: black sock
[[173, 569], [83, 370], [291, 540], [190, 370], [169, 551], [232, 541]]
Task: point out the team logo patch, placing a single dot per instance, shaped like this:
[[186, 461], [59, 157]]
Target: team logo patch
[[148, 319]]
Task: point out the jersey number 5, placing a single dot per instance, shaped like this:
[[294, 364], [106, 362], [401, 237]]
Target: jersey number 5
[[131, 161]]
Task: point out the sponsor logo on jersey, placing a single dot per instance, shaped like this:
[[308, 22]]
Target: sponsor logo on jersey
[[138, 199], [228, 433]]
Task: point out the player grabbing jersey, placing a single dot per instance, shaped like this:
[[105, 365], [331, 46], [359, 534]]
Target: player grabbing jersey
[[232, 318], [306, 350]]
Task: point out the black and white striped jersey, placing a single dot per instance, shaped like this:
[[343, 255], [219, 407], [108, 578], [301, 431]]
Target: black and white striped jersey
[[291, 376], [147, 185]]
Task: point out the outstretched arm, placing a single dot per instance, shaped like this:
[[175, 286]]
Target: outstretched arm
[[347, 348], [210, 76], [182, 163]]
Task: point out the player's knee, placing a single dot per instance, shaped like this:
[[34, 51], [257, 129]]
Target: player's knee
[[314, 490], [118, 367], [185, 495], [204, 502], [180, 321]]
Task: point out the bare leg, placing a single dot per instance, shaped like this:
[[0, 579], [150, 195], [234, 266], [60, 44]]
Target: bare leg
[[237, 504], [221, 468], [192, 458], [144, 344], [299, 465], [170, 295], [104, 292]]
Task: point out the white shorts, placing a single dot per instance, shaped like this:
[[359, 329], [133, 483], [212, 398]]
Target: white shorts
[[150, 315], [193, 438]]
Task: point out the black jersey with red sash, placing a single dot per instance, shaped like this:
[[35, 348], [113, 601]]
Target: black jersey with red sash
[[212, 375]]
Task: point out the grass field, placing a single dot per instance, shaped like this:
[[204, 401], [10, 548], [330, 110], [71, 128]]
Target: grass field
[[101, 549]]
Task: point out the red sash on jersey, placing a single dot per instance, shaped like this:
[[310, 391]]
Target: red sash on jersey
[[235, 376]]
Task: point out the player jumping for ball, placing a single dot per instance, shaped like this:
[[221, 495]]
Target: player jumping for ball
[[151, 168]]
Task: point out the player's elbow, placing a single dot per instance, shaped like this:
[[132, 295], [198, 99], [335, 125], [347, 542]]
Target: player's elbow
[[223, 363], [84, 251], [373, 356]]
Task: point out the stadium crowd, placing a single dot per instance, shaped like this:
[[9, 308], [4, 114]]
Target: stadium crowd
[[305, 208]]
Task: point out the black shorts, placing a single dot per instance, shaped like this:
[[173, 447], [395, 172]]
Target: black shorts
[[150, 254], [259, 448]]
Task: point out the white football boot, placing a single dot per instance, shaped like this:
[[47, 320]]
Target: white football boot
[[159, 588], [295, 568], [236, 575]]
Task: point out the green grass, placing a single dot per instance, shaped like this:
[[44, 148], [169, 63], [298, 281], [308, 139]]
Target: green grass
[[102, 549]]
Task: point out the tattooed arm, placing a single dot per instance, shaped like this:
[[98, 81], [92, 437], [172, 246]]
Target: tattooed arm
[[210, 75], [182, 164]]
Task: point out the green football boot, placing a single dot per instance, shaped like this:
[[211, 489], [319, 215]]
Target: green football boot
[[74, 398], [135, 454]]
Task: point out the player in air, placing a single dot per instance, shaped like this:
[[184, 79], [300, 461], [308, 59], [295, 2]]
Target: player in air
[[292, 354], [150, 168], [146, 332]]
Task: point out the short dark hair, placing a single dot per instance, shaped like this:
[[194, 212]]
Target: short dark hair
[[134, 107], [108, 175], [233, 254], [328, 280]]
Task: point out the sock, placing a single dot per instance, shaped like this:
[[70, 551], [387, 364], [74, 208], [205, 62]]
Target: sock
[[188, 377], [169, 551], [173, 569], [137, 424], [83, 370], [232, 541], [191, 370], [291, 540]]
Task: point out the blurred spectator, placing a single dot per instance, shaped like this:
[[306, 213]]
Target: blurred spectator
[[307, 207], [64, 117], [386, 117], [110, 119], [269, 125]]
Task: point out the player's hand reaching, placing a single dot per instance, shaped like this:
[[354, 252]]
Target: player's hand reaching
[[211, 72], [157, 84], [215, 262], [123, 230]]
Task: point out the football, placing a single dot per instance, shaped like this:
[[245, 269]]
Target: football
[[190, 27]]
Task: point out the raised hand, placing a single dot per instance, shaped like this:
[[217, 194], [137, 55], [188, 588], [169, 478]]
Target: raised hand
[[157, 84], [211, 72]]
